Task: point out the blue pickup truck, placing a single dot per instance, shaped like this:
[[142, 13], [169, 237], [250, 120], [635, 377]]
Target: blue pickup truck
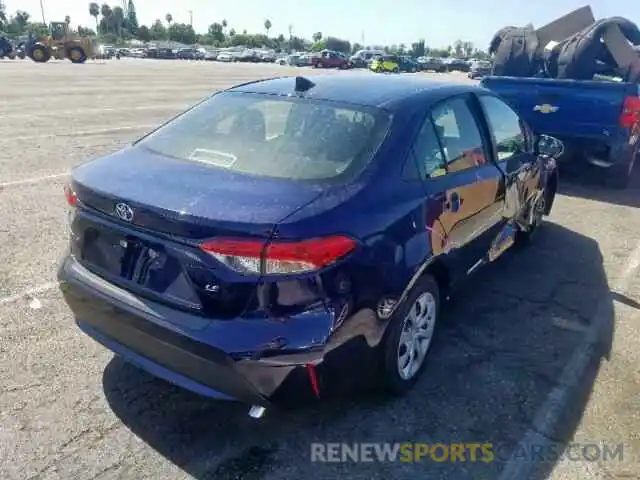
[[598, 121]]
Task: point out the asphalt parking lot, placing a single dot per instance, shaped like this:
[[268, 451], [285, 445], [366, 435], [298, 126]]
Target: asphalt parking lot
[[544, 346]]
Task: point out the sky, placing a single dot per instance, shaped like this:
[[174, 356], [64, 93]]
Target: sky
[[386, 22]]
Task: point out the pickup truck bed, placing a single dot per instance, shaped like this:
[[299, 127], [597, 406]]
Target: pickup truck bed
[[598, 121]]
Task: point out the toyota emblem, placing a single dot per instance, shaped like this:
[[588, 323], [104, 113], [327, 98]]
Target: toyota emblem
[[124, 212]]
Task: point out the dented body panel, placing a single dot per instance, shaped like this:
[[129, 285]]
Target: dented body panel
[[192, 321]]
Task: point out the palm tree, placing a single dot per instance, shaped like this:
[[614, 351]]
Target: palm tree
[[67, 19], [169, 18], [267, 26], [317, 36], [94, 11]]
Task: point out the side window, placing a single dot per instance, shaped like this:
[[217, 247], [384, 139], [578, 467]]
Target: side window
[[509, 132], [459, 135], [428, 160]]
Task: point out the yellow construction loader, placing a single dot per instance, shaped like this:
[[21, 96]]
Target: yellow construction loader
[[61, 44]]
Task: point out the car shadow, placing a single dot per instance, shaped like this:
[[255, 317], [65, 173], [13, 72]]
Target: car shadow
[[501, 347], [585, 181]]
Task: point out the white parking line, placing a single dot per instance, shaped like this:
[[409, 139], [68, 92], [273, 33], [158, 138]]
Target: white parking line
[[80, 133], [27, 181], [540, 436]]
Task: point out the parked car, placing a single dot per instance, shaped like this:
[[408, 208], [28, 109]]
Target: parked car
[[292, 61], [457, 65], [225, 57], [106, 52], [329, 59], [598, 121], [189, 54], [211, 55], [248, 56], [161, 53], [479, 69], [267, 57], [362, 58], [408, 64], [432, 63], [385, 63], [174, 263]]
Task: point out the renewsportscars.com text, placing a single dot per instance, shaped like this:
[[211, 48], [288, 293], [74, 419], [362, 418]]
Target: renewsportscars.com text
[[462, 452]]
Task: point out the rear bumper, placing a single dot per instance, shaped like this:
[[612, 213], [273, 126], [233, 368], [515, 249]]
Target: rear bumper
[[142, 332], [600, 153]]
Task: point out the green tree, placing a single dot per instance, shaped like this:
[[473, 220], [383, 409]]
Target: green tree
[[169, 18], [21, 20], [181, 32], [267, 26], [417, 48], [118, 21], [232, 32], [144, 34], [85, 31], [132, 18], [337, 44], [216, 32], [106, 22], [38, 29], [3, 14], [317, 37], [94, 11], [67, 19], [158, 31]]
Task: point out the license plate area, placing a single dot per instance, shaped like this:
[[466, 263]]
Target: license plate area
[[130, 258], [109, 252]]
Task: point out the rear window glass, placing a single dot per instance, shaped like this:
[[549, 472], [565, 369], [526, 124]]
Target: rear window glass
[[281, 137]]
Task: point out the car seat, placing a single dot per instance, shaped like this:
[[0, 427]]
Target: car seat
[[250, 125]]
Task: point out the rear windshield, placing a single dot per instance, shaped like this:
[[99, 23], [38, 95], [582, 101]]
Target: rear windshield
[[268, 136]]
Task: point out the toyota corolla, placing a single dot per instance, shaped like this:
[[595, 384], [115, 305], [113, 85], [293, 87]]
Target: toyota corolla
[[291, 237]]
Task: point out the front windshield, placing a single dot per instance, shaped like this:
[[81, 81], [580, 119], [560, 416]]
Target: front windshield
[[282, 137]]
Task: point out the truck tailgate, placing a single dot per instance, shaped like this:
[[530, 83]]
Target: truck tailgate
[[565, 108]]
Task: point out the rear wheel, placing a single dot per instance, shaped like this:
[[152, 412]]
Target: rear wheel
[[39, 53], [76, 55], [409, 336]]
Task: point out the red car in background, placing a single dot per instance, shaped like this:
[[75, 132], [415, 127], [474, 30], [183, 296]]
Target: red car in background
[[329, 59]]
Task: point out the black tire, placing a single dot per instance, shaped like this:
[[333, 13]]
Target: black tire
[[76, 55], [390, 375], [39, 53], [618, 175]]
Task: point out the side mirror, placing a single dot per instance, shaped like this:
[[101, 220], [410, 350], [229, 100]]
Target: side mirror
[[548, 146]]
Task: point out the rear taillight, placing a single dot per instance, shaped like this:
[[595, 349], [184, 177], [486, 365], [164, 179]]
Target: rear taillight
[[630, 115], [279, 258], [72, 198]]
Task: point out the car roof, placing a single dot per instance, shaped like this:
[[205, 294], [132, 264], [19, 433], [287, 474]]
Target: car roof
[[384, 91]]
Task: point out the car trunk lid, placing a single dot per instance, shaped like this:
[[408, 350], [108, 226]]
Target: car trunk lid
[[175, 207]]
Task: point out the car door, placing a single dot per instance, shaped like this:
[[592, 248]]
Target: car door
[[465, 190], [512, 151]]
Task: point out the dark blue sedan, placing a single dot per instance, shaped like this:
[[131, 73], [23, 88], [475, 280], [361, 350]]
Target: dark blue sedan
[[289, 238]]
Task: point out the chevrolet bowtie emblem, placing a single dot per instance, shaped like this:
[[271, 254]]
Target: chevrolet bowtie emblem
[[545, 108]]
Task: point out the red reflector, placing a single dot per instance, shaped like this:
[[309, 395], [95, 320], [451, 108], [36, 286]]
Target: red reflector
[[71, 196], [630, 115], [250, 256]]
